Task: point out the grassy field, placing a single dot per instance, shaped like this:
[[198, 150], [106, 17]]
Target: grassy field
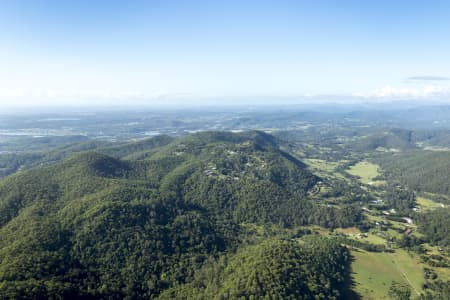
[[394, 233], [324, 168], [374, 239], [427, 204], [371, 238], [350, 230], [366, 171], [374, 218], [373, 273], [320, 164]]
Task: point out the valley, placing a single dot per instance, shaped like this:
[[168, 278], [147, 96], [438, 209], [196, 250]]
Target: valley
[[181, 216], [224, 150]]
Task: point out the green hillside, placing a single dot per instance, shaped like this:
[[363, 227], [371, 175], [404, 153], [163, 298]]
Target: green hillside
[[95, 226], [424, 171], [389, 139], [13, 162], [316, 268]]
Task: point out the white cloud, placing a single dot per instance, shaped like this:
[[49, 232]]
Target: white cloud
[[427, 91]]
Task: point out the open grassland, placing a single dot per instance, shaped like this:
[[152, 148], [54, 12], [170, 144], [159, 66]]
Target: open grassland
[[373, 218], [366, 171], [374, 239], [367, 237], [395, 233], [324, 168], [321, 165], [373, 272], [427, 204], [350, 230]]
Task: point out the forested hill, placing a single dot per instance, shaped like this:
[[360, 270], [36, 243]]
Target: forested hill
[[214, 170], [265, 271], [389, 139], [12, 162], [424, 171], [96, 226]]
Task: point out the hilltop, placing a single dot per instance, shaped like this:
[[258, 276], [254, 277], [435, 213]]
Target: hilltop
[[94, 225]]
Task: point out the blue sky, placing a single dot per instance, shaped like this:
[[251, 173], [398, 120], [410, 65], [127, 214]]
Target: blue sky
[[113, 51]]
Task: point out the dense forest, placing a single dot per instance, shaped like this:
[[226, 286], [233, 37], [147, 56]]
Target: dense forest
[[435, 225], [399, 139], [216, 215], [424, 171], [97, 226], [42, 156], [315, 268]]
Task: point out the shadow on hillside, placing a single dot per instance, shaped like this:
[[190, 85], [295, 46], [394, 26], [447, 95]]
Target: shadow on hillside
[[350, 293]]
